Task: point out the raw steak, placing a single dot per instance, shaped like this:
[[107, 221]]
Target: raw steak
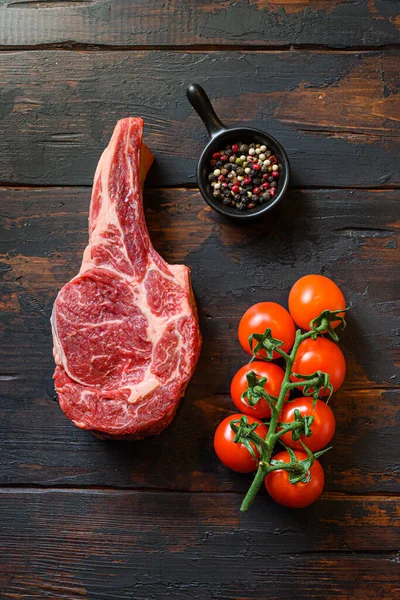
[[125, 330]]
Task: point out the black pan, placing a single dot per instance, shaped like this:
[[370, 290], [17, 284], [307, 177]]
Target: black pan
[[220, 136]]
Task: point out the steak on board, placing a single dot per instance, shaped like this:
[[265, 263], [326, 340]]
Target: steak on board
[[125, 329]]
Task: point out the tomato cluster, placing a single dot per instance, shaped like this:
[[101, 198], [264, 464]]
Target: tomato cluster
[[308, 298]]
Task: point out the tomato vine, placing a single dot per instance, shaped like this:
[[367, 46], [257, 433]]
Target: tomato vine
[[313, 385]]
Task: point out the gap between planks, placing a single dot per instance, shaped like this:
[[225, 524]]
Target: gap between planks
[[193, 48], [193, 187], [118, 490]]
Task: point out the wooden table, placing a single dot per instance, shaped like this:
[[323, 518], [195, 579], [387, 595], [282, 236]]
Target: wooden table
[[160, 518]]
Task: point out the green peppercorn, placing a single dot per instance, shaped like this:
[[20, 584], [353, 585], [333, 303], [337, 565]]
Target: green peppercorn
[[237, 167]]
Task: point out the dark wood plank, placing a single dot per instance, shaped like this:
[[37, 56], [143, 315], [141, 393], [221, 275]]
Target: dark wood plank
[[123, 545], [334, 23], [349, 235], [337, 114]]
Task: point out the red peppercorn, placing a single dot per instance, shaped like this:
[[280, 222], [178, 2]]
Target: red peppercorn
[[224, 158], [235, 189], [275, 174], [265, 185], [273, 160], [216, 155], [265, 176], [272, 192], [256, 166], [235, 148], [213, 163], [225, 185], [247, 180], [256, 191], [221, 178]]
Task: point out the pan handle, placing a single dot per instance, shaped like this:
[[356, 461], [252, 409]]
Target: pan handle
[[202, 105]]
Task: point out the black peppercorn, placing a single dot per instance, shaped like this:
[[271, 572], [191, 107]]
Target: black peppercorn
[[233, 176]]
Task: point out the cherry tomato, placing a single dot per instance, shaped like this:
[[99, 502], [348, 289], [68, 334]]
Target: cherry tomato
[[322, 428], [311, 295], [274, 375], [236, 456], [320, 355], [263, 315], [294, 495]]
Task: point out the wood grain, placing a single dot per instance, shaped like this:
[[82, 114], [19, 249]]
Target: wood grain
[[122, 545], [347, 234], [336, 114], [333, 23], [160, 518]]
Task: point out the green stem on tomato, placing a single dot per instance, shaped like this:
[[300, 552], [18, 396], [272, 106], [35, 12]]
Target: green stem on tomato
[[282, 353], [287, 427], [272, 436]]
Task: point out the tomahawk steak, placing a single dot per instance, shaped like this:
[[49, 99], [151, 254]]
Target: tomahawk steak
[[125, 329]]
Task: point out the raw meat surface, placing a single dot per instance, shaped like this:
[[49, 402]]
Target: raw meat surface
[[125, 329]]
